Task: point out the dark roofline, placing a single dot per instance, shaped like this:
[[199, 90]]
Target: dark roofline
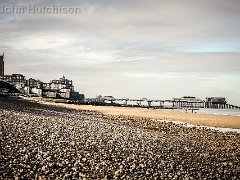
[[12, 89]]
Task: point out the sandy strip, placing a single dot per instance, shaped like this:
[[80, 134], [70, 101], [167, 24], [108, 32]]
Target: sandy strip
[[223, 121]]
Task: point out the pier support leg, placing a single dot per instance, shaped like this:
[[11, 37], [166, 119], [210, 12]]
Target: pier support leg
[[149, 103]]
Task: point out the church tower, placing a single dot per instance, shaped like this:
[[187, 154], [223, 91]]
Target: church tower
[[2, 65]]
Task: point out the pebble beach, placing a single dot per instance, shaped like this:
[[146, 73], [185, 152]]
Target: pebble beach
[[43, 141]]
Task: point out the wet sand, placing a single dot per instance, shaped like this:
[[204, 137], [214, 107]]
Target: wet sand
[[223, 121]]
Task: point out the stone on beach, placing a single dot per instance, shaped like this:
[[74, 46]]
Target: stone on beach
[[42, 141]]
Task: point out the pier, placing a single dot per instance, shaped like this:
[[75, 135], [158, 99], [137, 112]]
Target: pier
[[186, 102]]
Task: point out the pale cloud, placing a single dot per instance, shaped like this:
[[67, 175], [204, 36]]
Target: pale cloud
[[143, 75], [40, 42]]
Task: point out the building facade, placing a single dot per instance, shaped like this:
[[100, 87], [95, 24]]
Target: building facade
[[33, 87], [62, 88], [17, 80], [2, 65], [62, 83]]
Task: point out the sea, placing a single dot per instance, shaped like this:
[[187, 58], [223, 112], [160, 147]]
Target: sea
[[226, 112], [224, 130], [231, 112]]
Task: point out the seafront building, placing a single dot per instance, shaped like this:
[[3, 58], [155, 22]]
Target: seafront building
[[58, 88], [33, 87], [17, 80], [61, 88]]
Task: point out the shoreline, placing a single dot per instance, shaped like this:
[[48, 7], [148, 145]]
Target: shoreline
[[210, 120]]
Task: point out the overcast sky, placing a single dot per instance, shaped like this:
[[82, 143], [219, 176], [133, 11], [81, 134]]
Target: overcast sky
[[130, 48]]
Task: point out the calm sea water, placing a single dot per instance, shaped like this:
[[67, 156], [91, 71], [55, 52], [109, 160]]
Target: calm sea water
[[231, 112], [224, 130]]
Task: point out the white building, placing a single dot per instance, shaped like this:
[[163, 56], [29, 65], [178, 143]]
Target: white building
[[63, 88]]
